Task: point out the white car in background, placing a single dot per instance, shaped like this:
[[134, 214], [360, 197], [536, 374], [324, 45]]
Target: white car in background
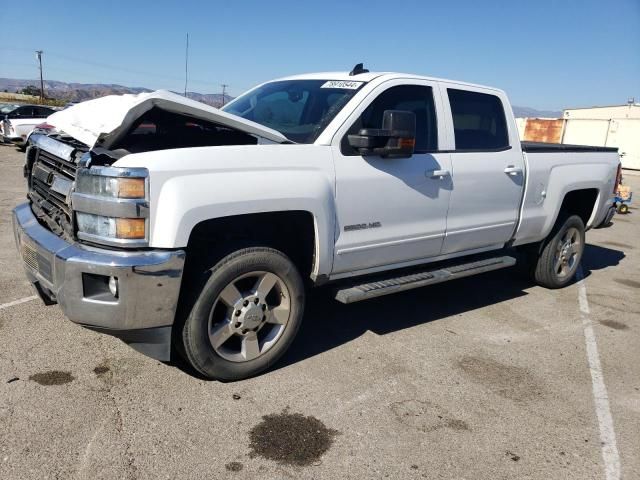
[[18, 122]]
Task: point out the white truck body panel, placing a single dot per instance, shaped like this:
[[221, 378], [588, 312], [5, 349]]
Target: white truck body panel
[[547, 185]]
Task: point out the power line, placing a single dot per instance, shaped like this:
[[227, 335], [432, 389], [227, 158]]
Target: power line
[[117, 67], [99, 77]]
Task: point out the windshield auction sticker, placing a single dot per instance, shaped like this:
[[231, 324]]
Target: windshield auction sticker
[[343, 84]]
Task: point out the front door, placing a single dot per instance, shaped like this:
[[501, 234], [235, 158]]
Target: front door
[[391, 210]]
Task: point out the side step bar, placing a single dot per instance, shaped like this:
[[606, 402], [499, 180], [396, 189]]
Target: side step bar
[[390, 285]]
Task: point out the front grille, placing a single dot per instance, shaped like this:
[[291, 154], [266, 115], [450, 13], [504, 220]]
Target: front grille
[[68, 169], [50, 184]]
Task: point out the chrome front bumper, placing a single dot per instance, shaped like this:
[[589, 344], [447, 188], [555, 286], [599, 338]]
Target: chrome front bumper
[[148, 284]]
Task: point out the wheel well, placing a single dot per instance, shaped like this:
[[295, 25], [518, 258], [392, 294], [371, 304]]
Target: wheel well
[[581, 203], [291, 232]]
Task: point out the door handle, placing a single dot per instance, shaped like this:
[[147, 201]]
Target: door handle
[[437, 173], [511, 170]]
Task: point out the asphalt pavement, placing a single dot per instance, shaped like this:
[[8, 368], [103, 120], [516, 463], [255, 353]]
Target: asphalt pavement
[[489, 377]]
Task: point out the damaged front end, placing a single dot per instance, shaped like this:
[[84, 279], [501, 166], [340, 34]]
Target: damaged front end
[[84, 233], [62, 169], [51, 168]]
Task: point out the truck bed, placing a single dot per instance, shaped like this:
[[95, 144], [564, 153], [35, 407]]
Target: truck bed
[[561, 147]]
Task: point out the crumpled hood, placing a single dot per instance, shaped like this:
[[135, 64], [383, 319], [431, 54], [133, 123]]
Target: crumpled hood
[[104, 118]]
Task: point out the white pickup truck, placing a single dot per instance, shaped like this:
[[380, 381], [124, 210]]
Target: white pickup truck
[[181, 228]]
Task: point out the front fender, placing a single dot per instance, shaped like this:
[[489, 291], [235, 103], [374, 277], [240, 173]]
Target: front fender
[[189, 186]]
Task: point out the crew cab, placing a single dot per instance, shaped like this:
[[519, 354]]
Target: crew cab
[[18, 122], [184, 229]]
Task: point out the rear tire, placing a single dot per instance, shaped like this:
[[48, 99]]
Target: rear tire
[[559, 257], [246, 315]]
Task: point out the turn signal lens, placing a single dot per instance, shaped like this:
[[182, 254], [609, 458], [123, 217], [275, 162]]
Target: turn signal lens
[[130, 228], [131, 187]]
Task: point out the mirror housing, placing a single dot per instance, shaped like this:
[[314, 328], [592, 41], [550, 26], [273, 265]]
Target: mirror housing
[[396, 138]]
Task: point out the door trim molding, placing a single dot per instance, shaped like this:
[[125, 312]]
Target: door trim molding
[[485, 227], [388, 244]]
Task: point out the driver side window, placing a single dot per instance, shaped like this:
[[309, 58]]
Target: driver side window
[[413, 98]]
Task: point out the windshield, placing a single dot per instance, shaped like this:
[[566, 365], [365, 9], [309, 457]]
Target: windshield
[[299, 109]]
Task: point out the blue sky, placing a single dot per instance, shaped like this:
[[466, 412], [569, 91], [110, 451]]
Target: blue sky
[[546, 54]]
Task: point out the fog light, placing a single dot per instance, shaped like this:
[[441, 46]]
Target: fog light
[[113, 286]]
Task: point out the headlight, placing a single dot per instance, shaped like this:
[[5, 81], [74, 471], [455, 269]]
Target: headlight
[[112, 205], [114, 187]]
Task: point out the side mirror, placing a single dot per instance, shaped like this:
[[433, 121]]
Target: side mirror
[[396, 138]]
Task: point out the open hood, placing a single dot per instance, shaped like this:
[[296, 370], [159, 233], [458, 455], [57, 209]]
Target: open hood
[[103, 119]]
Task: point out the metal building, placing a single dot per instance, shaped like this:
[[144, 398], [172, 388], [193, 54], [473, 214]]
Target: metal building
[[613, 126]]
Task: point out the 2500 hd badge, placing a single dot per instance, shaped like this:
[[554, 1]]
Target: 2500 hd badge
[[362, 226]]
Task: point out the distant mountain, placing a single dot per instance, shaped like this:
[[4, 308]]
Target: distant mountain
[[78, 92], [527, 112]]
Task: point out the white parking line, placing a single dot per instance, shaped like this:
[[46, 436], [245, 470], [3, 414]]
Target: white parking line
[[17, 302], [610, 454]]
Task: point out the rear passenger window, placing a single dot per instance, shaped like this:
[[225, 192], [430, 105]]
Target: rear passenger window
[[24, 112], [41, 112], [478, 121]]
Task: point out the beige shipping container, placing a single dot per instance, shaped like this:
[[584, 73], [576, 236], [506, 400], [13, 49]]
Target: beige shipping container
[[615, 126], [586, 132]]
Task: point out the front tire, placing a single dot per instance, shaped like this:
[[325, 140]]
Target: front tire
[[246, 316], [560, 255]]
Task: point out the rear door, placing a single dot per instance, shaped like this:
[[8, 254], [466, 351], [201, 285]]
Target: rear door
[[487, 168]]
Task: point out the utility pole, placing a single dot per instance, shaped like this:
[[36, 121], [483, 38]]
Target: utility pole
[[224, 92], [186, 66], [39, 54]]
